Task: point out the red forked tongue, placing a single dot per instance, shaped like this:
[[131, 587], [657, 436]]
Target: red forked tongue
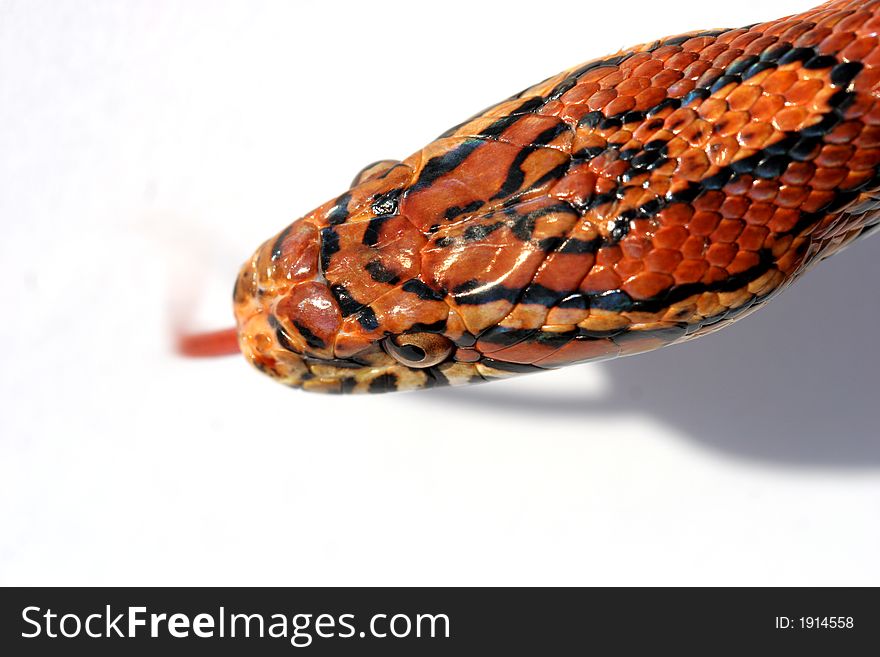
[[205, 345]]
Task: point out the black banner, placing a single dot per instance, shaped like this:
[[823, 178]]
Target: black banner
[[411, 621]]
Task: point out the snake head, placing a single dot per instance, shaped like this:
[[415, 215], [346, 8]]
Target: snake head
[[338, 306]]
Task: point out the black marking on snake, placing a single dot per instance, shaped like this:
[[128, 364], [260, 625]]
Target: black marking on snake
[[440, 165], [480, 231], [515, 174], [384, 383], [386, 204], [339, 213], [575, 245], [374, 228], [475, 293], [367, 319], [504, 366], [311, 339], [348, 305], [435, 377], [619, 300], [454, 211], [281, 334], [279, 242], [422, 290], [379, 273], [572, 79], [342, 363], [525, 109], [434, 327], [768, 163], [329, 246]]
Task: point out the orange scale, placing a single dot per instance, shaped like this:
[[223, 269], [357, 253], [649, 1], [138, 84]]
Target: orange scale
[[726, 58], [295, 257], [466, 355], [752, 238], [760, 44], [728, 230], [764, 190], [524, 131], [828, 179], [869, 137], [759, 213], [865, 159], [835, 155], [742, 262], [620, 105], [755, 135], [743, 97], [670, 237], [608, 255], [597, 74], [803, 92], [697, 44], [690, 271], [703, 223], [694, 247], [853, 22], [856, 179], [664, 53], [681, 88], [647, 285], [614, 78], [791, 119], [792, 196], [580, 350], [681, 60], [693, 165], [783, 220], [601, 98], [798, 173], [648, 69], [398, 311], [310, 317], [714, 275], [835, 42], [601, 279], [525, 352], [766, 107], [633, 85], [664, 261], [860, 48], [813, 37], [564, 271], [665, 78], [628, 267], [816, 200], [740, 185], [677, 214], [579, 93], [845, 133], [734, 207]]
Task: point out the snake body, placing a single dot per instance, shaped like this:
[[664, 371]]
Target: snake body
[[632, 202]]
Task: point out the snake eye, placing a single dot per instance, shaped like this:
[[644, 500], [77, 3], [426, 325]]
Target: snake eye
[[418, 349]]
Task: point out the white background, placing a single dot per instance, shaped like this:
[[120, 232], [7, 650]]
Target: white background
[[147, 148]]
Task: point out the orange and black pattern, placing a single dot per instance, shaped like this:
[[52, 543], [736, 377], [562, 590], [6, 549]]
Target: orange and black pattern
[[630, 203]]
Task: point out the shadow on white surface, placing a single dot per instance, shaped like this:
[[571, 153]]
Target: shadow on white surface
[[796, 383]]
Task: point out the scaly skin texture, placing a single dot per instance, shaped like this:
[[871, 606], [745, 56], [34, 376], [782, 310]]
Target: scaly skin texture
[[630, 203]]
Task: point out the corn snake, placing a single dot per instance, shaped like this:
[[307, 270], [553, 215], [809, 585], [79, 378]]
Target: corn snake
[[636, 201]]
